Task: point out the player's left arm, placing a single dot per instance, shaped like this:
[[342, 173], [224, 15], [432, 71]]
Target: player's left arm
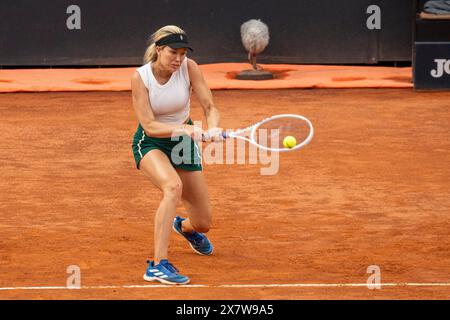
[[204, 96]]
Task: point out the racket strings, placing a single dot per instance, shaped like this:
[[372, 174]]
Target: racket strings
[[272, 133]]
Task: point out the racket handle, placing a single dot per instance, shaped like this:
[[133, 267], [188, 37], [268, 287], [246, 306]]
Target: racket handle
[[206, 136]]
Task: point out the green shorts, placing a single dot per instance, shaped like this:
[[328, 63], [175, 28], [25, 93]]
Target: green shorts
[[183, 153]]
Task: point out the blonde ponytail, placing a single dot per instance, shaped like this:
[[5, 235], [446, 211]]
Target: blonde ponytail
[[150, 53]]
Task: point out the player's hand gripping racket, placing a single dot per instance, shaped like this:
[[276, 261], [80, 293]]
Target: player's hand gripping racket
[[279, 133]]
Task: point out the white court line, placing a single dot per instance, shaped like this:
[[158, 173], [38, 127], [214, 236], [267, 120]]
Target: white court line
[[287, 285], [325, 285]]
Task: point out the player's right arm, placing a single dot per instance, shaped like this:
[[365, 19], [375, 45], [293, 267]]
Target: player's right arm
[[146, 118]]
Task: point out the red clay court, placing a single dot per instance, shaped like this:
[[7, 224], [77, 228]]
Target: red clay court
[[370, 189]]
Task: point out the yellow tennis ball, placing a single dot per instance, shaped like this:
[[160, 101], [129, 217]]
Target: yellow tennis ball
[[289, 142]]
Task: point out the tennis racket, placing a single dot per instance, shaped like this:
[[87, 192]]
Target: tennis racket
[[268, 134]]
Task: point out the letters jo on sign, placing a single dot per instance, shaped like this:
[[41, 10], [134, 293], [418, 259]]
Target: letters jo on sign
[[432, 65], [442, 66]]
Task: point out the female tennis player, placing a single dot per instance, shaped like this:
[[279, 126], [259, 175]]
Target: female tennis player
[[161, 91]]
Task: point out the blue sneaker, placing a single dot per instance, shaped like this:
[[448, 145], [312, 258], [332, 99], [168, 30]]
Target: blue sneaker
[[198, 241], [164, 272]]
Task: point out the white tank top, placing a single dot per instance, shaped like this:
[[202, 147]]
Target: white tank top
[[171, 101]]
